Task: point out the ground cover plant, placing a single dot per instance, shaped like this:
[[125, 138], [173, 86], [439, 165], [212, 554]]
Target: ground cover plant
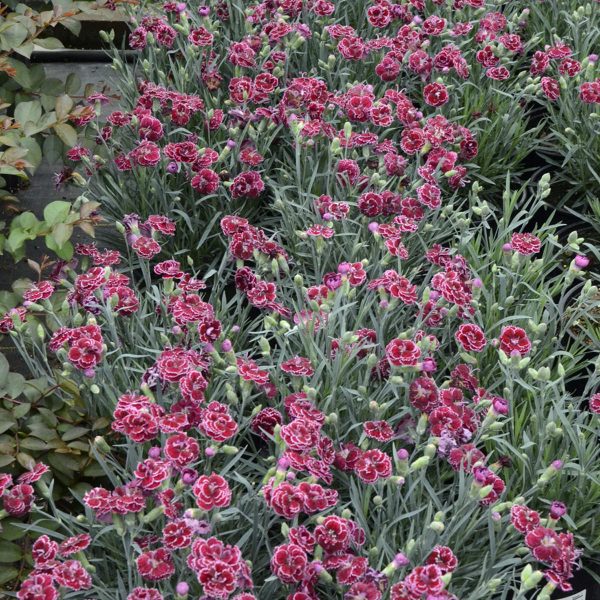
[[345, 343]]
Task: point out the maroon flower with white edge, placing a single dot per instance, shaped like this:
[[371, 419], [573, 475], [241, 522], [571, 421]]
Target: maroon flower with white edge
[[333, 534], [425, 580], [378, 430], [217, 423], [43, 552], [181, 449], [444, 558], [72, 574], [298, 366], [470, 337], [146, 247], [168, 269], [38, 291], [147, 154], [402, 353], [177, 534], [300, 435], [249, 371], [212, 491], [430, 195], [423, 394], [265, 421], [247, 185], [435, 94], [38, 586], [74, 544], [155, 565], [205, 182], [544, 544], [143, 593], [594, 404], [289, 563], [373, 465], [173, 364], [161, 224], [525, 243], [550, 88], [150, 473], [35, 474], [523, 518], [18, 500], [465, 457], [514, 341]]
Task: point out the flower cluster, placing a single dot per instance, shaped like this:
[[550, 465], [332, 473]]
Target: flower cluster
[[326, 388]]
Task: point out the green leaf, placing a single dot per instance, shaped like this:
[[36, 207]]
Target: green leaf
[[28, 111], [9, 552], [8, 574], [61, 233], [15, 385], [5, 425], [57, 212], [72, 84], [12, 36], [52, 87], [64, 104], [48, 416], [65, 252], [4, 369], [11, 530], [26, 460], [20, 410], [34, 152], [74, 433], [49, 43], [67, 134], [6, 459], [22, 73], [52, 149], [73, 25], [31, 443]]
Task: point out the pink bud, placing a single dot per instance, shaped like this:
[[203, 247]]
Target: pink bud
[[373, 227], [506, 247], [210, 452], [182, 588], [400, 560], [402, 454], [226, 346], [154, 452], [581, 262]]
